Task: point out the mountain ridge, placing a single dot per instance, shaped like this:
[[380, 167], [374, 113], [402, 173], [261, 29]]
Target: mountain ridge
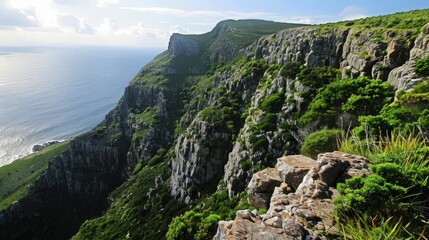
[[188, 125]]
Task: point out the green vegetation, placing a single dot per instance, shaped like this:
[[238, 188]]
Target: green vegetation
[[325, 140], [361, 96], [16, 178], [408, 113], [273, 103], [291, 69], [411, 21], [135, 212], [240, 32], [392, 201], [201, 221], [153, 74], [422, 67]]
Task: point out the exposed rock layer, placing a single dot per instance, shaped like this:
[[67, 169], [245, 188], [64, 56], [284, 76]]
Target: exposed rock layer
[[295, 214]]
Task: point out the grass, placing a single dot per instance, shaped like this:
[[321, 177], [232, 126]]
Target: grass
[[17, 176], [364, 228], [411, 155], [398, 23], [393, 144]]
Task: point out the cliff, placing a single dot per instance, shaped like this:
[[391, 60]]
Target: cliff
[[206, 116]]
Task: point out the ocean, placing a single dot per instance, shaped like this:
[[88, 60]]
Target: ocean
[[57, 93]]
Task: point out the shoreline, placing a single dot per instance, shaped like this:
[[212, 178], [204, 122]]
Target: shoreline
[[30, 150]]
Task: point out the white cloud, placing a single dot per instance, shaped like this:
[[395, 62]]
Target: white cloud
[[110, 28], [12, 18], [196, 13], [106, 3], [353, 12], [68, 22], [48, 18]]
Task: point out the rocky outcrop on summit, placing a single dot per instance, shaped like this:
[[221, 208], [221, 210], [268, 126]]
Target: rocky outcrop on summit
[[181, 45], [356, 53], [297, 213]]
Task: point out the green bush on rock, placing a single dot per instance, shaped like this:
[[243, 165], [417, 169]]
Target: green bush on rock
[[325, 140], [422, 67]]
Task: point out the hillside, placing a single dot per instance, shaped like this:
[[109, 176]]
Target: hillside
[[196, 137]]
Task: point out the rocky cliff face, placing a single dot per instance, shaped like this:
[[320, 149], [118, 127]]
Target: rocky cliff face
[[222, 129], [77, 183], [181, 45], [299, 193], [389, 57], [355, 54]]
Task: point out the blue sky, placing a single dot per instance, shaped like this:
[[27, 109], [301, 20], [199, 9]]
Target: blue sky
[[149, 23]]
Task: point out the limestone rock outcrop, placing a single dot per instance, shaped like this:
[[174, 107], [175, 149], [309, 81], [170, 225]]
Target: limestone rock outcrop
[[181, 45], [201, 154], [296, 213], [262, 186]]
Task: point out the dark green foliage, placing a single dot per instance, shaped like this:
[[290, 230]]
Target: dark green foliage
[[422, 67], [201, 221], [370, 194], [134, 212], [361, 96], [255, 67], [221, 117], [317, 77], [268, 122], [259, 142], [154, 160], [325, 140], [349, 23], [273, 103], [409, 113], [391, 172], [291, 69]]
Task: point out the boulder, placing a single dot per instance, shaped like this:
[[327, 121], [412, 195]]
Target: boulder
[[262, 186], [293, 168]]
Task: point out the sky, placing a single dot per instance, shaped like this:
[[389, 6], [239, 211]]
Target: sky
[[150, 23]]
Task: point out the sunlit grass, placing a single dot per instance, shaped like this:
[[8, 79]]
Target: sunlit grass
[[16, 178]]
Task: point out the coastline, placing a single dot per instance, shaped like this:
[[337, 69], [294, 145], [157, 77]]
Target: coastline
[[28, 151]]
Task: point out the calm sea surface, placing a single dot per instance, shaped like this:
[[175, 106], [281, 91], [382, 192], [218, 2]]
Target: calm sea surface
[[57, 93]]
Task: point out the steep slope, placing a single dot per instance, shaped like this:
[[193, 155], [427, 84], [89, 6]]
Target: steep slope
[[244, 114], [197, 122], [76, 185]]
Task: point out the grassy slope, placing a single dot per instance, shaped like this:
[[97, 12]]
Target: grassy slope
[[242, 32], [411, 22], [17, 176]]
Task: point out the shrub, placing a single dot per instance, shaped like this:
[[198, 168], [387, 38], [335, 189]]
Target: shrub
[[291, 69], [258, 143], [422, 67], [155, 160], [268, 122], [361, 96], [372, 195], [273, 103], [322, 141]]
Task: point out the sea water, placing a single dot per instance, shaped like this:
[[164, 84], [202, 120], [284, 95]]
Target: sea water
[[56, 93]]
